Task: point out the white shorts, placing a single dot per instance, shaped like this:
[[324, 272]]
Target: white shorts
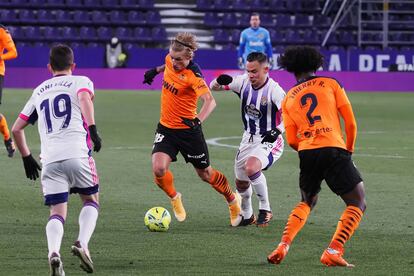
[[76, 175], [267, 153]]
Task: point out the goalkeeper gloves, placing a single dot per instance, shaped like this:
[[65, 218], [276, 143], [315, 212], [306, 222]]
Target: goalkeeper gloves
[[150, 75], [194, 124], [270, 136], [97, 141], [31, 167]]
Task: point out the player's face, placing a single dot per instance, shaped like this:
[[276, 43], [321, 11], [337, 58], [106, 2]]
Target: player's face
[[254, 22], [257, 73], [179, 60]]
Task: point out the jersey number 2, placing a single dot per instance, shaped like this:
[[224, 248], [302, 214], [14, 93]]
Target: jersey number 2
[[65, 112], [314, 103]]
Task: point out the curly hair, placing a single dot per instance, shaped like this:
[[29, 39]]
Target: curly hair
[[300, 59], [185, 42]]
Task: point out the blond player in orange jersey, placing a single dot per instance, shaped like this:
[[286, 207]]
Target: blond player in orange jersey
[[179, 129], [311, 112], [6, 43]]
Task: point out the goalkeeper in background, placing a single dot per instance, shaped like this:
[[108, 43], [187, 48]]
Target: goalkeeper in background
[[262, 143], [6, 43], [254, 39], [179, 129]]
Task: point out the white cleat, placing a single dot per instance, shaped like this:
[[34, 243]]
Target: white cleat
[[85, 259], [56, 265]]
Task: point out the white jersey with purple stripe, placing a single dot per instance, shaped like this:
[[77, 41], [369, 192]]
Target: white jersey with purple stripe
[[55, 105], [261, 108]]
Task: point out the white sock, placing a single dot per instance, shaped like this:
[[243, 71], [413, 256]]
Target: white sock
[[260, 188], [54, 234], [87, 222], [246, 202]]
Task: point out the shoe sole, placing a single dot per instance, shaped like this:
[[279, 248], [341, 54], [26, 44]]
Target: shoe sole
[[85, 263], [55, 265], [328, 262]]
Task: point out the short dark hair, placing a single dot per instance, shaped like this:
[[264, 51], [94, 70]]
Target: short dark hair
[[300, 59], [257, 56], [60, 57], [255, 14]]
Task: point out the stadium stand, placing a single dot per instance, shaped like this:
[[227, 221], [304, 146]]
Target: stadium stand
[[149, 23]]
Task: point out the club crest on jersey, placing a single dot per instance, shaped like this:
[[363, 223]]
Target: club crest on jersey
[[263, 101], [253, 112], [181, 76]]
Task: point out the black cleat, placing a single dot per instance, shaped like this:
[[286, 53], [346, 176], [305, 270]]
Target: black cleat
[[264, 218], [249, 221], [10, 147]]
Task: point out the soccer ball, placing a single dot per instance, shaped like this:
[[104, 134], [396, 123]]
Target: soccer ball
[[157, 219]]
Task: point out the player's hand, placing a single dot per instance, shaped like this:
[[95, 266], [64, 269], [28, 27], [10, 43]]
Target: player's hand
[[31, 167], [194, 124], [224, 79], [150, 75], [97, 141], [271, 63], [270, 136], [240, 63]]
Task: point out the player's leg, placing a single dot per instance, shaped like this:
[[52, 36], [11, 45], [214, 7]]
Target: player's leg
[[55, 188], [345, 180], [8, 141], [244, 189]]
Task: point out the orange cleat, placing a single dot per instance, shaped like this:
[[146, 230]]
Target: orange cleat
[[178, 208], [332, 257], [277, 256], [234, 209]]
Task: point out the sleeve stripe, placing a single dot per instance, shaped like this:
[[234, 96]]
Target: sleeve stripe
[[85, 90], [24, 117]]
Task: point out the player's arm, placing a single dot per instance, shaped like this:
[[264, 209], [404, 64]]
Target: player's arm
[[88, 113], [269, 50], [241, 50], [350, 126], [291, 130], [8, 43], [31, 167], [209, 103], [152, 73]]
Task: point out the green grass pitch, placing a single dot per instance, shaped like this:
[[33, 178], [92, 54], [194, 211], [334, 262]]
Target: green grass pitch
[[205, 244]]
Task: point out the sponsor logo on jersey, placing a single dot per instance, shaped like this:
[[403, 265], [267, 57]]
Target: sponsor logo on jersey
[[253, 112], [196, 156]]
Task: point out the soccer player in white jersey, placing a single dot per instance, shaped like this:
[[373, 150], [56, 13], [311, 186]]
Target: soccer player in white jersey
[[262, 145], [64, 110]]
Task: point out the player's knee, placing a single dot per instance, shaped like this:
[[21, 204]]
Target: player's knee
[[204, 175], [252, 166], [158, 170]]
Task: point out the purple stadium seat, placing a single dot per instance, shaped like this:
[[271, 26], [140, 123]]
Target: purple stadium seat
[[8, 16], [148, 4], [16, 32], [277, 36], [74, 3], [142, 34], [159, 34], [35, 3], [302, 20], [17, 3], [240, 5], [311, 37], [55, 3], [293, 37], [109, 3], [123, 33], [70, 33], [92, 3], [204, 4], [229, 20], [128, 46], [212, 20], [117, 16], [260, 5], [283, 20], [266, 20], [235, 36], [104, 33], [221, 5], [128, 3], [136, 17], [153, 17], [45, 16], [51, 33], [221, 36], [277, 5], [321, 21], [27, 16], [63, 16], [79, 16], [88, 33], [229, 46], [99, 16]]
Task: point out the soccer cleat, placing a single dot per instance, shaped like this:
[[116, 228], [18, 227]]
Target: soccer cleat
[[83, 254], [10, 147], [234, 208], [56, 265], [249, 221], [264, 218], [277, 256], [178, 208], [332, 257]]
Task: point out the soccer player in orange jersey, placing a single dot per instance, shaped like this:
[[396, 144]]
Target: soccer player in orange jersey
[[6, 43], [310, 112], [179, 129]]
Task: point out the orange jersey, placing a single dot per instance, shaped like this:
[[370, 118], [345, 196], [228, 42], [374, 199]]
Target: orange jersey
[[6, 42], [180, 92], [312, 108]]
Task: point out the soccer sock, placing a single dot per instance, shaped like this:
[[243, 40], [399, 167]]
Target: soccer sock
[[219, 182], [347, 224], [4, 129], [54, 233], [260, 187], [296, 221], [87, 222], [166, 183], [246, 202]]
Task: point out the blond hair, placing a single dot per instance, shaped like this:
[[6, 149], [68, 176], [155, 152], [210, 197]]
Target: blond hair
[[185, 42]]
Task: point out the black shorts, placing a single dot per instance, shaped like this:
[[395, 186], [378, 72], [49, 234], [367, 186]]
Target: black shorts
[[334, 165], [190, 143]]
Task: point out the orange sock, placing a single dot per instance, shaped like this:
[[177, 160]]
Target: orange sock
[[296, 221], [219, 182], [347, 224], [4, 129], [166, 183]]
